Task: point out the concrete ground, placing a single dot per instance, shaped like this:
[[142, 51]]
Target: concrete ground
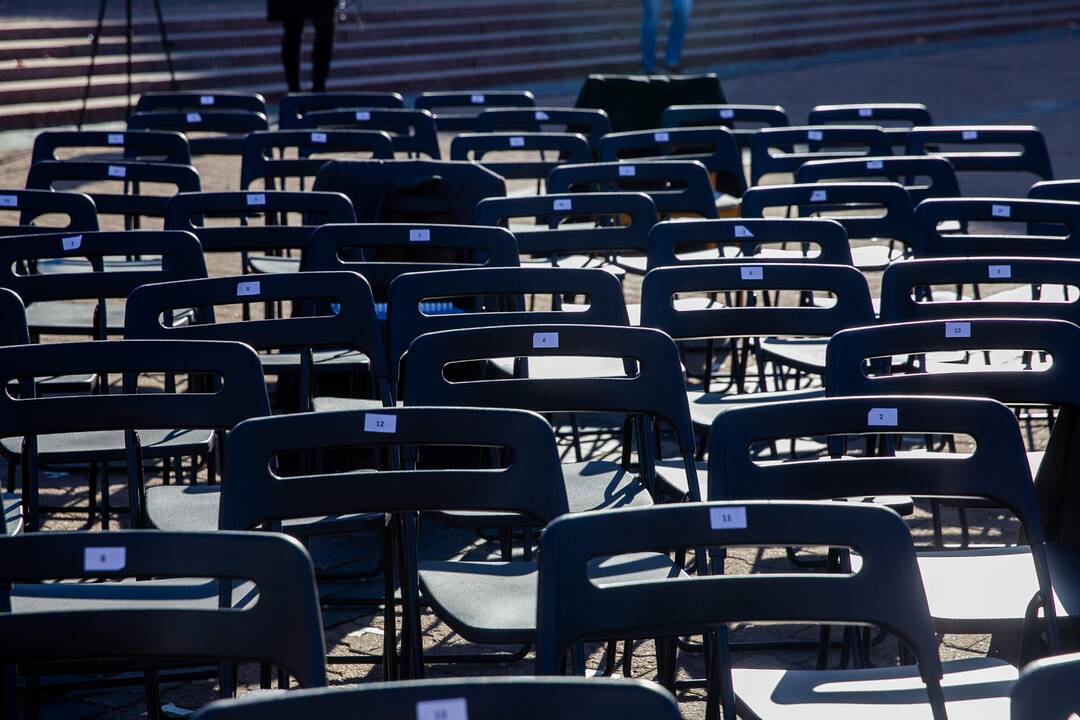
[[1022, 80]]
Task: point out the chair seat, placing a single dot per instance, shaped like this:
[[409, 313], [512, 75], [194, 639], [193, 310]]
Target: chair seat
[[806, 354], [633, 310], [330, 404], [112, 263], [495, 602], [281, 363], [876, 256], [975, 689], [1049, 293], [12, 507], [108, 445], [69, 317], [576, 261], [559, 367], [267, 264], [126, 595], [706, 407], [194, 508]]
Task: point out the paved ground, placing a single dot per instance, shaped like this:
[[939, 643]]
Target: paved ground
[[1025, 80]]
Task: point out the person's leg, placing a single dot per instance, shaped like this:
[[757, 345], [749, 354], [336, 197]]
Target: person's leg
[[650, 18], [290, 52], [322, 52], [680, 19]]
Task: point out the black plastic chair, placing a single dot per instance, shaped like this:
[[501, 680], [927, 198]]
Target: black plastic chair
[[229, 128], [420, 191], [413, 131], [160, 146], [258, 162], [735, 117], [747, 240], [1046, 689], [903, 169], [896, 119], [129, 426], [383, 251], [1061, 219], [593, 124], [32, 204], [964, 141], [675, 186], [468, 106], [293, 106], [575, 230], [201, 607], [188, 211], [891, 224], [885, 592], [132, 206], [823, 142], [965, 588], [566, 148], [715, 147], [207, 100]]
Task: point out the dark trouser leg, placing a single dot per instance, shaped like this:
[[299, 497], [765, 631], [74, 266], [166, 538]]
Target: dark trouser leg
[[323, 51], [290, 52]]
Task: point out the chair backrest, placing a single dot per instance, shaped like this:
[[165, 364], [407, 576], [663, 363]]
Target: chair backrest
[[895, 118], [675, 186], [1046, 689], [1068, 190], [551, 210], [502, 292], [903, 295], [209, 100], [730, 116], [184, 178], [293, 106], [230, 126], [413, 131], [32, 204], [903, 169], [1031, 157], [567, 148], [468, 105], [351, 322], [740, 240], [652, 385], [887, 591], [422, 191], [715, 147], [531, 483], [995, 470], [13, 327], [593, 124], [160, 146], [1061, 219], [822, 141], [478, 698], [283, 627], [851, 309], [187, 211], [258, 162], [182, 259], [381, 252], [894, 217]]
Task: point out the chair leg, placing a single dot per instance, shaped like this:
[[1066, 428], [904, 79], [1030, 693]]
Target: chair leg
[[11, 465], [389, 669], [33, 698], [935, 513], [153, 695], [628, 659], [92, 495], [8, 692], [106, 503]]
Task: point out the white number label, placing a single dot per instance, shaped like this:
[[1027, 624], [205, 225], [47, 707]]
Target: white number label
[[318, 137], [108, 559], [449, 709], [380, 423], [116, 139], [9, 201], [477, 99], [741, 231], [727, 518], [874, 164], [819, 196], [420, 235], [362, 115], [206, 100], [1000, 210], [256, 198], [193, 118], [563, 204], [517, 141], [661, 136], [627, 170], [117, 171], [970, 135], [541, 115], [814, 135], [866, 112], [546, 340], [72, 243], [957, 329], [755, 272], [1000, 271], [882, 417], [249, 287], [727, 113]]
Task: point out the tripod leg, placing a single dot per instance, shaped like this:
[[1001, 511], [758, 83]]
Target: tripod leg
[[93, 59], [165, 44]]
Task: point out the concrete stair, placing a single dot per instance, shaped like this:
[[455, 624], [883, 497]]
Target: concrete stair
[[463, 44]]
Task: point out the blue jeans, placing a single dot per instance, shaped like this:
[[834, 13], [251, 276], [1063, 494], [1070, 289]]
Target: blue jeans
[[650, 19]]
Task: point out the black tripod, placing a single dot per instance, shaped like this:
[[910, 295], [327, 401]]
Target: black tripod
[[127, 30]]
